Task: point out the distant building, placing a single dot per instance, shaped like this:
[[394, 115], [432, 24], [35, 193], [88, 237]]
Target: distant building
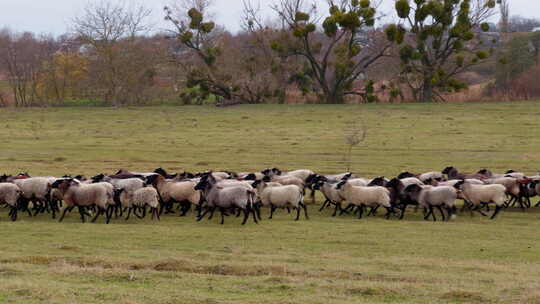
[[536, 29]]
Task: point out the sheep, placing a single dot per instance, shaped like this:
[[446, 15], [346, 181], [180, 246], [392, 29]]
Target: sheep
[[251, 176], [428, 197], [302, 174], [10, 195], [77, 194], [365, 196], [271, 172], [453, 173], [171, 191], [218, 176], [478, 195], [527, 190], [286, 181], [358, 181], [164, 173], [488, 174], [36, 190], [331, 194], [407, 174], [283, 197], [122, 173], [512, 186], [140, 199], [434, 175], [411, 181], [455, 181], [226, 198], [514, 174], [147, 196], [536, 184]]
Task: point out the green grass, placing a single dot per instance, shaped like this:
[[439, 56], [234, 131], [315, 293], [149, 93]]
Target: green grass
[[323, 260]]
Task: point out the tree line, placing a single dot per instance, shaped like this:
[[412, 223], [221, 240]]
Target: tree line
[[344, 54]]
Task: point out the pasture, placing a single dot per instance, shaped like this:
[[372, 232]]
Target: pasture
[[323, 260]]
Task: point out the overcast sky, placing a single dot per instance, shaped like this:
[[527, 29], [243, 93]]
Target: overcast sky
[[54, 16]]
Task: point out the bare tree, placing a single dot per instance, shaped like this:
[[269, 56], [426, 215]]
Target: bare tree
[[355, 133], [23, 56], [504, 9], [110, 30]]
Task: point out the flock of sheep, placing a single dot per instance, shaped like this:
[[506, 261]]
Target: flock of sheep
[[246, 192]]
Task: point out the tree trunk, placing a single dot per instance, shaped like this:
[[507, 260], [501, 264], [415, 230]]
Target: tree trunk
[[427, 90], [333, 98]]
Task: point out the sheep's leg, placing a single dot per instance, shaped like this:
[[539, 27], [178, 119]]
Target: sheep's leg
[[442, 213], [222, 211], [129, 213], [528, 201], [450, 212], [304, 206], [255, 215], [246, 215], [64, 213], [497, 210], [521, 204], [37, 208], [325, 204], [466, 204], [298, 209], [54, 208], [29, 212], [272, 209], [186, 206], [81, 213], [389, 211], [168, 208], [198, 208], [144, 211], [100, 211], [257, 209], [477, 208], [427, 213], [288, 210], [212, 213], [13, 213], [360, 211], [403, 211], [338, 207], [108, 214], [373, 211], [203, 215], [346, 210], [239, 212], [157, 214]]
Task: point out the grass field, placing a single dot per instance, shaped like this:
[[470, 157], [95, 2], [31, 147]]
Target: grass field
[[323, 260]]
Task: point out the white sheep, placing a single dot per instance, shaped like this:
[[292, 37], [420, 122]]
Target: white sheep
[[365, 196], [434, 175], [478, 195], [10, 195], [35, 190], [286, 196], [428, 197], [140, 199], [411, 181], [331, 195], [226, 198]]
